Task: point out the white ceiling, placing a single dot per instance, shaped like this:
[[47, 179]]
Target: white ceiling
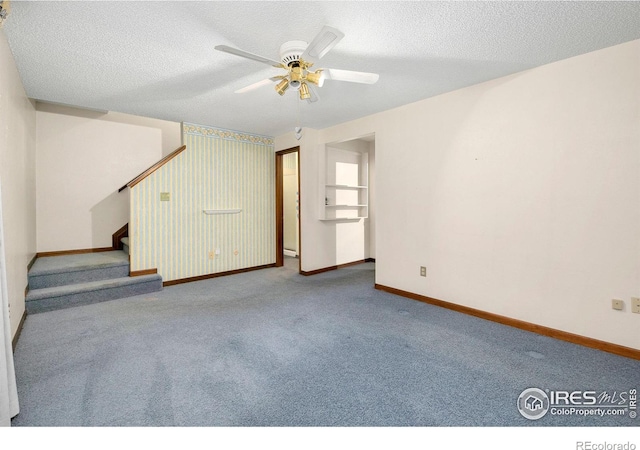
[[156, 59]]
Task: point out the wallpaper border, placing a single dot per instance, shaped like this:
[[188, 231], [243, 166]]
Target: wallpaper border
[[230, 135]]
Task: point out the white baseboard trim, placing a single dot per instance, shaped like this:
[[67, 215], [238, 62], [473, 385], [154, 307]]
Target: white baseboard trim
[[290, 253]]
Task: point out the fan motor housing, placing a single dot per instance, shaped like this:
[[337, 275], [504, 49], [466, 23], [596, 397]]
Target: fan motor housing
[[291, 51]]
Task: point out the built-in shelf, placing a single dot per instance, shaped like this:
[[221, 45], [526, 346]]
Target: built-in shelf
[[344, 176], [221, 211], [345, 186]]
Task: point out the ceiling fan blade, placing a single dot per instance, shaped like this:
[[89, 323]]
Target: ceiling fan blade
[[259, 84], [243, 54], [322, 43], [314, 94], [350, 76]]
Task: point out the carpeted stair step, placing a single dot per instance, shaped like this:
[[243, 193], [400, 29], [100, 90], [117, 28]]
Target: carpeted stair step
[[63, 270], [58, 297], [125, 244]]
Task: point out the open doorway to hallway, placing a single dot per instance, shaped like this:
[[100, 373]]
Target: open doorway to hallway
[[290, 194], [287, 205]]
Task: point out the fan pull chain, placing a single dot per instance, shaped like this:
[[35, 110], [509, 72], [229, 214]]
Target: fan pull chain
[[298, 129]]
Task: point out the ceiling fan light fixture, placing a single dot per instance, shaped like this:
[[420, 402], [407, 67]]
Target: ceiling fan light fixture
[[297, 58], [282, 86], [304, 91], [296, 74], [4, 10], [316, 77]]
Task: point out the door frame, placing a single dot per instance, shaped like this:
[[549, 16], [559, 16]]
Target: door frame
[[280, 207]]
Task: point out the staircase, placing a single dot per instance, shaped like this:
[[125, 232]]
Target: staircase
[[125, 244], [57, 282]]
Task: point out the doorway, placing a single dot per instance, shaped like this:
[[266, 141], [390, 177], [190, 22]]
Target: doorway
[[288, 205]]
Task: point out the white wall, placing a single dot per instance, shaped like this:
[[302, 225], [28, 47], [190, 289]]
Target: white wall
[[521, 195], [308, 165], [83, 158], [327, 243], [324, 243], [17, 175]]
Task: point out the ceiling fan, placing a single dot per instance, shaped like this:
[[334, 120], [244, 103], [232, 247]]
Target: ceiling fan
[[297, 58], [4, 10]]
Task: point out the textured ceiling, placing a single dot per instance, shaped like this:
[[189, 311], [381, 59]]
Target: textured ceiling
[[156, 59]]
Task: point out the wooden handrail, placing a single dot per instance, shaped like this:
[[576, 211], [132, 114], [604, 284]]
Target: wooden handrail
[[153, 168]]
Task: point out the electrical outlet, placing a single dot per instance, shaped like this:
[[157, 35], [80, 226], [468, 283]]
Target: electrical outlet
[[635, 305], [165, 196], [217, 251], [617, 304], [211, 255], [423, 271]]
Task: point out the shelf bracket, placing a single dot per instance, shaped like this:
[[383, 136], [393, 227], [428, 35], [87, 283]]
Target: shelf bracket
[[221, 211]]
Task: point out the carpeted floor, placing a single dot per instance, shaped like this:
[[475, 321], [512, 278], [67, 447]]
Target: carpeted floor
[[274, 348]]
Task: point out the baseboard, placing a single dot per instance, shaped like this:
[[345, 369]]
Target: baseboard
[[139, 273], [609, 347], [29, 266], [370, 260], [14, 342], [74, 252], [32, 262], [317, 271], [330, 268], [215, 275]]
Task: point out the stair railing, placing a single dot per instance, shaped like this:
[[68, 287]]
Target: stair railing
[[153, 168]]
